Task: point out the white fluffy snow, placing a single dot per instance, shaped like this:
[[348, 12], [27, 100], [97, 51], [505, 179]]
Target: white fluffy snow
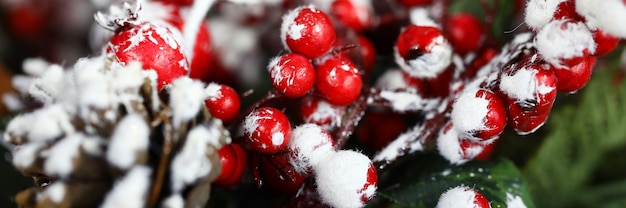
[[457, 197], [522, 85], [213, 91], [560, 40], [131, 190], [55, 192], [469, 112], [186, 98], [60, 158], [607, 15], [514, 201], [129, 139], [289, 27], [342, 177], [192, 163], [308, 147], [539, 12]]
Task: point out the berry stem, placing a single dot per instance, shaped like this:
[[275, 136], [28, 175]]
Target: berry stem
[[352, 117]]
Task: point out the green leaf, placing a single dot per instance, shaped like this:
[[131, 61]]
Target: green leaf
[[498, 180]]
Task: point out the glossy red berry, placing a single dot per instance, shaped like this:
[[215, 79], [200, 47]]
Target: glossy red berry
[[338, 80], [531, 92], [412, 3], [234, 162], [605, 43], [479, 113], [463, 196], [354, 14], [422, 51], [567, 10], [307, 31], [292, 74], [202, 52], [278, 175], [223, 101], [155, 46], [316, 110], [267, 130], [576, 77], [465, 33]]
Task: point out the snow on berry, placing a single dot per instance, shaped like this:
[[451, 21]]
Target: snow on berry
[[462, 197], [538, 13], [421, 16], [567, 10], [456, 147], [186, 97], [292, 74], [307, 31], [564, 42], [338, 80], [605, 42], [131, 190], [346, 179], [316, 110], [354, 14], [130, 138], [267, 130], [310, 144], [223, 101], [480, 113], [422, 51], [529, 84], [606, 15]]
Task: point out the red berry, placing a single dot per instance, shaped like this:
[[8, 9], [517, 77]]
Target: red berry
[[267, 130], [316, 110], [26, 21], [292, 74], [368, 53], [354, 14], [179, 2], [379, 128], [463, 196], [471, 149], [234, 162], [479, 113], [422, 51], [307, 31], [412, 3], [202, 54], [605, 43], [487, 151], [564, 42], [576, 77], [464, 32], [339, 81], [223, 101], [531, 90], [278, 175], [567, 10], [481, 61], [155, 46]]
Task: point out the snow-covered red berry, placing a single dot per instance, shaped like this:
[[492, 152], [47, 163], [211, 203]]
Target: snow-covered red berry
[[479, 113], [223, 101], [346, 179], [605, 15], [531, 92], [414, 3], [456, 147], [462, 197], [354, 14], [567, 10], [565, 42], [338, 80], [605, 43], [576, 77], [278, 175], [422, 51], [234, 162], [267, 130], [465, 32], [292, 74], [310, 144], [155, 46], [538, 13], [307, 31], [316, 110]]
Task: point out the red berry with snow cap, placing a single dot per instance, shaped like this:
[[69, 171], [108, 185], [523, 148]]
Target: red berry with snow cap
[[234, 162], [457, 147], [565, 43], [346, 179], [422, 51], [310, 144], [354, 14], [155, 46], [338, 80], [576, 77], [465, 32], [223, 101], [307, 31], [292, 74], [605, 43], [462, 196], [267, 130], [531, 92], [479, 113], [567, 10]]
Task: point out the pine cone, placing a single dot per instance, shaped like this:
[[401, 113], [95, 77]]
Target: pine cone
[[104, 137]]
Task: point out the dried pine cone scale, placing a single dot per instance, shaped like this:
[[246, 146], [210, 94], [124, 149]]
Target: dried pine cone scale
[[118, 141]]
